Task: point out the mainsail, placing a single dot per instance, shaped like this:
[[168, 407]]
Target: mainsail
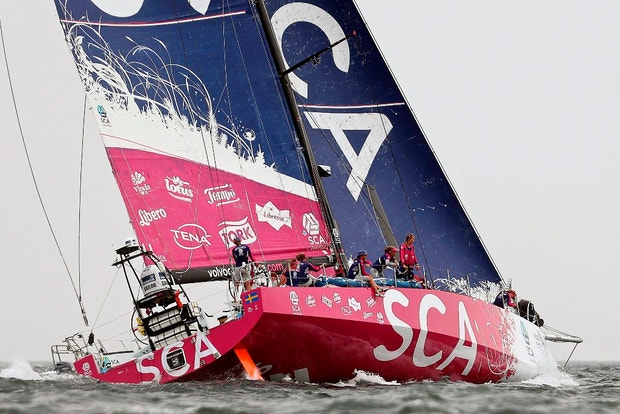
[[196, 126], [196, 131]]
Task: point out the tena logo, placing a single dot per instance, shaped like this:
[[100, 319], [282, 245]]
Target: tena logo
[[191, 236], [179, 189], [275, 218], [241, 229], [223, 194], [139, 183]]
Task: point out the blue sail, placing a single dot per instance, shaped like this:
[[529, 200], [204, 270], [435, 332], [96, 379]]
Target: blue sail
[[359, 124]]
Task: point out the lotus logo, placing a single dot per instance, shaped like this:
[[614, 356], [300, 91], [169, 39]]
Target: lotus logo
[[179, 189], [191, 236]]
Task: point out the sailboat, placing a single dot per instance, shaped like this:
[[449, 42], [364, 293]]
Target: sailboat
[[278, 124]]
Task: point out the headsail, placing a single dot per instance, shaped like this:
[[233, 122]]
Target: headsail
[[359, 123], [196, 130]]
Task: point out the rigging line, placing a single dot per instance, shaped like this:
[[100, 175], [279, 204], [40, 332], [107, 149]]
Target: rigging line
[[104, 301], [34, 180], [80, 187]]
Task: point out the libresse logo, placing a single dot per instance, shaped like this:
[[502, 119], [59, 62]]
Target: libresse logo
[[273, 216]]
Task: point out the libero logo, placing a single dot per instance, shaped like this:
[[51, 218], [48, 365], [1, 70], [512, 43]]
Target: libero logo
[[179, 189], [139, 183], [191, 236], [148, 216]]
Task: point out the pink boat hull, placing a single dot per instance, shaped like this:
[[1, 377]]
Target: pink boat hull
[[327, 334]]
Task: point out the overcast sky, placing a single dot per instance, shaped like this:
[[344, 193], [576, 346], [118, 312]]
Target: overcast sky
[[519, 99]]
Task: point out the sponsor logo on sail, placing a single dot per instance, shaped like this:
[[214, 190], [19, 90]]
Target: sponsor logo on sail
[[148, 216], [103, 115], [241, 229], [191, 236], [223, 194], [312, 229], [273, 216], [310, 224], [139, 183], [179, 189], [218, 272]]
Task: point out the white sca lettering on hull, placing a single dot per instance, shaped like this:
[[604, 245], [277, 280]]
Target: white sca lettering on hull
[[148, 365], [420, 358], [377, 125]]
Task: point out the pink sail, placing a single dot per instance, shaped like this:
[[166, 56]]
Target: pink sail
[[190, 213]]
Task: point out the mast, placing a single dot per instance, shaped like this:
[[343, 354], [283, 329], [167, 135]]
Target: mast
[[301, 132]]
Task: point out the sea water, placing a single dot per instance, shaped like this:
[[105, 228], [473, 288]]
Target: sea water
[[578, 388]]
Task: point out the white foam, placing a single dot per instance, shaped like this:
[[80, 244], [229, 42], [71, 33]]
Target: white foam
[[366, 377], [21, 370], [554, 378]]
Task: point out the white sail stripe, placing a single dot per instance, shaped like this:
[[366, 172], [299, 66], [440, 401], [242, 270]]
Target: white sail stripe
[[352, 106], [261, 174], [153, 24]]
